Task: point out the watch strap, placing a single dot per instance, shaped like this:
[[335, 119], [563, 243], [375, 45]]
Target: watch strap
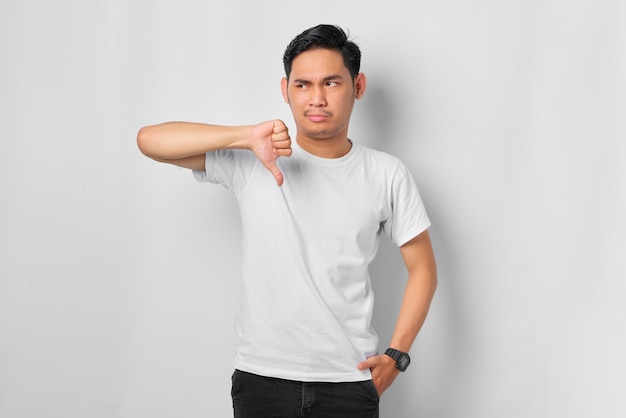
[[402, 359]]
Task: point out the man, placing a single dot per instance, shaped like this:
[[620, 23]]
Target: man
[[312, 216]]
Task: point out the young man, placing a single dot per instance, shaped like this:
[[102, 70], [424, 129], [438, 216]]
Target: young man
[[312, 214]]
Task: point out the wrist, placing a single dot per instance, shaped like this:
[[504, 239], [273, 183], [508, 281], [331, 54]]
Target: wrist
[[401, 358], [241, 137], [258, 135]]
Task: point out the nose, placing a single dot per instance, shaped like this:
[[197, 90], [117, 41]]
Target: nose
[[318, 97]]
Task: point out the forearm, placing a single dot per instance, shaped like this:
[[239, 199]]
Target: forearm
[[420, 288], [178, 140], [419, 292]]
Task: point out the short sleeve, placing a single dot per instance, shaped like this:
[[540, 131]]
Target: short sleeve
[[408, 214], [230, 168]]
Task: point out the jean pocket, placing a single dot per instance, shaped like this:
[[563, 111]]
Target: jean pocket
[[369, 384]]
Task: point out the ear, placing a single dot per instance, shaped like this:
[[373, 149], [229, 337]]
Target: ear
[[360, 82], [283, 89]]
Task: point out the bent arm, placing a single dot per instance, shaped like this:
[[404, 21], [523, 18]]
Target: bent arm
[[420, 288], [419, 259], [185, 143]]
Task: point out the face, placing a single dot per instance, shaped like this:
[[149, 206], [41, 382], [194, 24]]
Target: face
[[321, 94]]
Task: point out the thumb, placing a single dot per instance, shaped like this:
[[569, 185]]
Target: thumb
[[278, 175], [365, 365]]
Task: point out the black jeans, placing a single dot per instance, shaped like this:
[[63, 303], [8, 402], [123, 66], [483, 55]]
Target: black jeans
[[267, 397]]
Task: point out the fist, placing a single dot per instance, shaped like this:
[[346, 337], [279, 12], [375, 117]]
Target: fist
[[281, 141], [271, 140]]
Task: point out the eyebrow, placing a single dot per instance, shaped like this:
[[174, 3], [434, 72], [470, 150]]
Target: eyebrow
[[325, 79]]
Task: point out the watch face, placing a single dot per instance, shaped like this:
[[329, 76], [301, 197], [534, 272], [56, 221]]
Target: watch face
[[403, 362]]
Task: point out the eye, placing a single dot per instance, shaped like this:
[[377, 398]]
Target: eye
[[300, 85]]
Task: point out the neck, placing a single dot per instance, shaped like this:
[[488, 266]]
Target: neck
[[325, 148]]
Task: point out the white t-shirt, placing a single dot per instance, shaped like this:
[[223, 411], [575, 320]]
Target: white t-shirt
[[306, 299]]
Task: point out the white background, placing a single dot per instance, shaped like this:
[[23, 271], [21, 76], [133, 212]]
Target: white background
[[118, 275]]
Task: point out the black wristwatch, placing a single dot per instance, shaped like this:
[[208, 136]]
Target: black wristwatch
[[402, 359]]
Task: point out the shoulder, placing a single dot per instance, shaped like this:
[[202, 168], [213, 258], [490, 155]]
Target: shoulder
[[381, 159]]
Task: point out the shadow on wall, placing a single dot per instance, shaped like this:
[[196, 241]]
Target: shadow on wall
[[374, 120], [429, 390]]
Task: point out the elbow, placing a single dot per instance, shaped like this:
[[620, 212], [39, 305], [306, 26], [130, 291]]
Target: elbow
[[149, 144], [434, 280], [429, 278], [143, 141]]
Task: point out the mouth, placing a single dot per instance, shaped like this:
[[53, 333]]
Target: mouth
[[317, 116]]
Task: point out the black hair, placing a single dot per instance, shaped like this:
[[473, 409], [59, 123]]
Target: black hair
[[326, 37]]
